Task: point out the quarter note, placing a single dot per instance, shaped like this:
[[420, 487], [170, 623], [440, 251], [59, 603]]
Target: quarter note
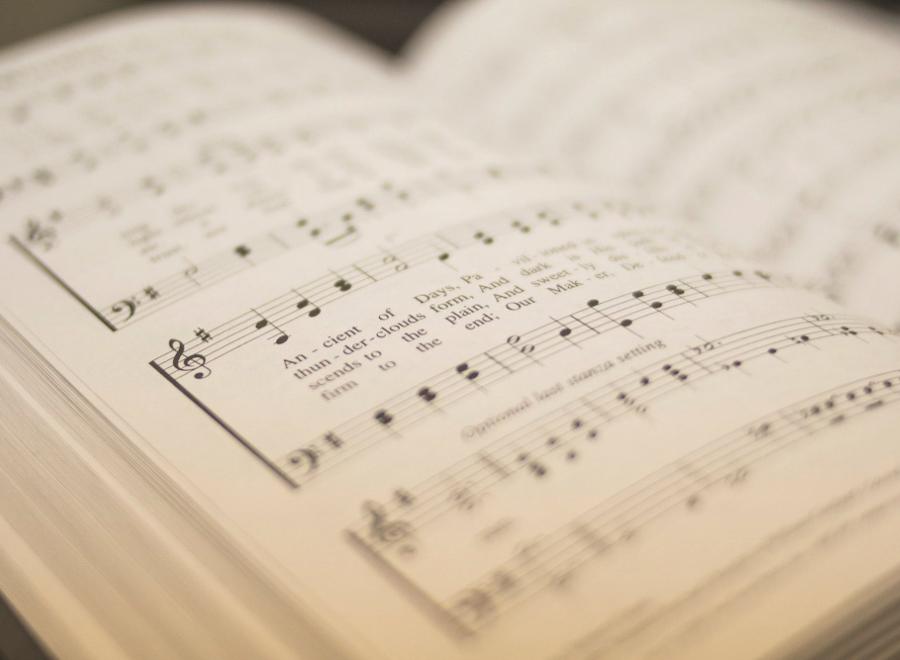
[[304, 303], [536, 468], [483, 238], [265, 323], [466, 372]]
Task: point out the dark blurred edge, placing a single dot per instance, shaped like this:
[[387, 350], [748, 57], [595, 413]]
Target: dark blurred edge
[[386, 23], [17, 641]]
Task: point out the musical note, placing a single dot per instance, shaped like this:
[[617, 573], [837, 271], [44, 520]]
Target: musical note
[[377, 267], [108, 205], [303, 303], [195, 362], [404, 498], [551, 558], [153, 185], [466, 372], [43, 176], [537, 468], [399, 265], [263, 323], [462, 498], [484, 238], [37, 233], [516, 342], [190, 272], [629, 395], [503, 581], [426, 394]]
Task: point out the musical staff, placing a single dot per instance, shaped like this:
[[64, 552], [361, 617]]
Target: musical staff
[[326, 289], [518, 352], [214, 155], [333, 226], [725, 462]]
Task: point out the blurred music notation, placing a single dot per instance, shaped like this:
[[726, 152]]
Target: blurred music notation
[[332, 227], [532, 347], [552, 559], [214, 155], [212, 158], [111, 118]]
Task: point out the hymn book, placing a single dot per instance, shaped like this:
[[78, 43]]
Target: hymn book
[[572, 333]]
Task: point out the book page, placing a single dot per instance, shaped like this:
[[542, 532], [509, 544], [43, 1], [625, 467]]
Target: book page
[[772, 126], [451, 404]]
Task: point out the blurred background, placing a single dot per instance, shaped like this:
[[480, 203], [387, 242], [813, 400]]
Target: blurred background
[[386, 23]]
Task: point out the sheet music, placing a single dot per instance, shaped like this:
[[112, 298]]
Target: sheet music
[[771, 126], [460, 407]]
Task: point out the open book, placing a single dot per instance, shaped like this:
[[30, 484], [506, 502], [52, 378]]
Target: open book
[[572, 334]]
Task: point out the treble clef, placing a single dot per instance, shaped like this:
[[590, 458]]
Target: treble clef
[[386, 531], [194, 362]]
